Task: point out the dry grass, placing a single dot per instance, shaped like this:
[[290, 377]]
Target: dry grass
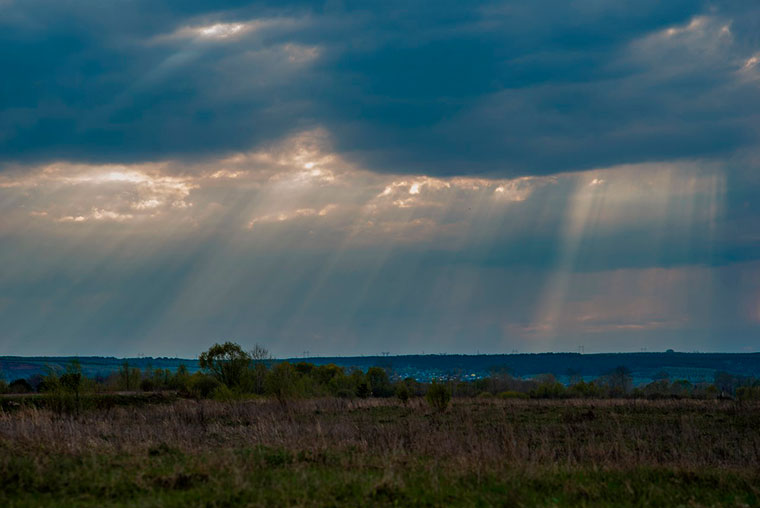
[[474, 438], [524, 433]]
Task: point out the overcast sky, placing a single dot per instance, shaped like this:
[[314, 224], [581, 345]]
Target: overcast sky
[[346, 177]]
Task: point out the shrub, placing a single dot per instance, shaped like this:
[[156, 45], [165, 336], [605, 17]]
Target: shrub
[[363, 390], [510, 394], [325, 374], [223, 394], [202, 386], [585, 390], [402, 393], [180, 381], [438, 396], [304, 368], [147, 385], [415, 387], [129, 377], [379, 382], [62, 393], [619, 381], [748, 393], [20, 386], [548, 390], [281, 382]]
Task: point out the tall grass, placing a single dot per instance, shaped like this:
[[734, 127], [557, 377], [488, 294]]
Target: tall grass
[[321, 447], [478, 432]]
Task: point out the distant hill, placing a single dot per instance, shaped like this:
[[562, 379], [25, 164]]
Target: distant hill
[[695, 367]]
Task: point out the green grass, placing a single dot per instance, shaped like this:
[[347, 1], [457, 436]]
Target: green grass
[[267, 477], [338, 453]]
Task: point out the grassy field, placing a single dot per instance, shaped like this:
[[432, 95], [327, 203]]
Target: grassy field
[[336, 452]]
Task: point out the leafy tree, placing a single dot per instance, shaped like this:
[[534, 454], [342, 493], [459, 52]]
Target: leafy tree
[[379, 383], [227, 362]]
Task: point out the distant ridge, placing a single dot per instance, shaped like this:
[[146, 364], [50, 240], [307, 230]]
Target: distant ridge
[[645, 366]]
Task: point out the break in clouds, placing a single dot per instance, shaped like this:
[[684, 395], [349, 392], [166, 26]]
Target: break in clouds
[[345, 178]]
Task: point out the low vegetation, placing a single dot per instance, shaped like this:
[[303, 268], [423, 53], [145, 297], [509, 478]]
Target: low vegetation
[[331, 451], [230, 373], [248, 430]]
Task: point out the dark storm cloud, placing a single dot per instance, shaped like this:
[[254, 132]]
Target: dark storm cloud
[[450, 87]]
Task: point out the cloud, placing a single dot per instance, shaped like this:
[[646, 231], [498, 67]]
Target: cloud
[[504, 88], [641, 215]]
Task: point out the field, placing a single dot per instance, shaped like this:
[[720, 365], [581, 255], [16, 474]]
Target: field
[[337, 452]]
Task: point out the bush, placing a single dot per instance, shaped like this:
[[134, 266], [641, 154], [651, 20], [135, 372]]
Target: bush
[[147, 385], [129, 377], [325, 374], [509, 394], [748, 393], [363, 390], [585, 390], [203, 386], [438, 396], [548, 390], [281, 382], [379, 382], [20, 386], [402, 393], [180, 381], [223, 394]]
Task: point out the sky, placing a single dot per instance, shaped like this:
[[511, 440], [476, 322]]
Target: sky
[[351, 177]]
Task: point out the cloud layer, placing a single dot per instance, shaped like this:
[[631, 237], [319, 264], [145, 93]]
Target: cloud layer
[[506, 88]]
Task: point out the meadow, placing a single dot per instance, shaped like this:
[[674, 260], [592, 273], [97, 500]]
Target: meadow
[[330, 451]]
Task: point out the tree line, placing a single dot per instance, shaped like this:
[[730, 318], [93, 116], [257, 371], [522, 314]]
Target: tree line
[[229, 372]]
